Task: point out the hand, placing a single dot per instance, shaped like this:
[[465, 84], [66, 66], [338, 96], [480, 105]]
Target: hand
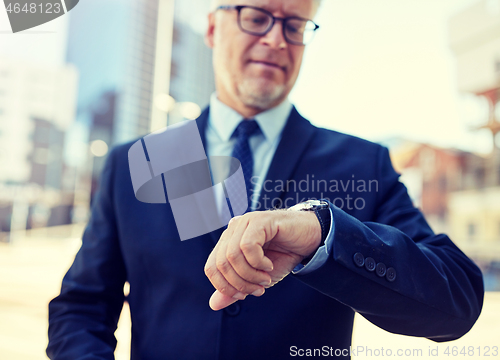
[[257, 250]]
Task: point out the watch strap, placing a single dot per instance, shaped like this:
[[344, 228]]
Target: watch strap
[[325, 219]]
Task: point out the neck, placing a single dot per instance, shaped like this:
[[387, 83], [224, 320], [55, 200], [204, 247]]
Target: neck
[[244, 110]]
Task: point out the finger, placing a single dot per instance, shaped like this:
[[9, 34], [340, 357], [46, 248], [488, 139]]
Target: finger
[[233, 220], [243, 269], [252, 241], [254, 255], [240, 264], [221, 284], [223, 239], [218, 267], [220, 301], [210, 267], [230, 276], [214, 274]]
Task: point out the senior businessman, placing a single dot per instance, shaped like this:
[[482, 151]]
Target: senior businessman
[[274, 282]]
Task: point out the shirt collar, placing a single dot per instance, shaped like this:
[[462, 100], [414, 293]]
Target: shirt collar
[[224, 119]]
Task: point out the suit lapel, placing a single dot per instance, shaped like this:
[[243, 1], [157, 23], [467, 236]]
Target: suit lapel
[[297, 134], [202, 122]]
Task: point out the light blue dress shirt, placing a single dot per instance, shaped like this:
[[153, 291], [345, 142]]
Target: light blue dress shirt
[[222, 122]]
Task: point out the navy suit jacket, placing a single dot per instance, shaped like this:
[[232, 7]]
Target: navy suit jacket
[[437, 292]]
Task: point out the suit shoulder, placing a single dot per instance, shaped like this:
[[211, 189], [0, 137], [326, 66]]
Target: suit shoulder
[[118, 155], [346, 140], [121, 149]]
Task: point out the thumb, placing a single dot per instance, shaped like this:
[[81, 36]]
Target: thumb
[[219, 301]]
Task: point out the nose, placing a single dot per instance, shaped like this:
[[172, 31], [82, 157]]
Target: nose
[[275, 38]]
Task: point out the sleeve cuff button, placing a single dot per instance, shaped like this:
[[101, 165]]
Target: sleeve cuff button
[[370, 264], [381, 269], [359, 259], [391, 274]]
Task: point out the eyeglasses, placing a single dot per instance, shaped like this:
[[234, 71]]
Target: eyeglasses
[[256, 21]]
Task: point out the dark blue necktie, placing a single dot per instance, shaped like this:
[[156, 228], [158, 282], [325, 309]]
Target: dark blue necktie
[[242, 152]]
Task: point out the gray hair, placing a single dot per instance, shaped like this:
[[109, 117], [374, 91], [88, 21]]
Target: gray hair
[[216, 3]]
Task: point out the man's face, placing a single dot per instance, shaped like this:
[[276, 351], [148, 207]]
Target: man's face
[[255, 72]]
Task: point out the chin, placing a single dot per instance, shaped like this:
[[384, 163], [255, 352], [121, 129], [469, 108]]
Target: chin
[[260, 94]]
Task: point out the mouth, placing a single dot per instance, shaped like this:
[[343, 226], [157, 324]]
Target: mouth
[[268, 64]]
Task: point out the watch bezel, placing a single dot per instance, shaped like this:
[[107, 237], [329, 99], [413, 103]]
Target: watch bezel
[[309, 205]]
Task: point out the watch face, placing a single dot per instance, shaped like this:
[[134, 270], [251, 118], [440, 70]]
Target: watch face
[[309, 205]]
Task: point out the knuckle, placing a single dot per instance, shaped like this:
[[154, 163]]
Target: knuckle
[[246, 246], [261, 228], [241, 288], [232, 256], [209, 271], [248, 216], [226, 290], [222, 265], [253, 262], [233, 221]]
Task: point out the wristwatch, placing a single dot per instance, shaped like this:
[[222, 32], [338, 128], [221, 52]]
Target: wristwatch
[[322, 210]]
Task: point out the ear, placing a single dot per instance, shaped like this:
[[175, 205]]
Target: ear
[[209, 35]]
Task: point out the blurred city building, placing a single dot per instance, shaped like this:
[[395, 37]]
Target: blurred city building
[[191, 77], [134, 63], [475, 213], [37, 106], [114, 55], [453, 189], [432, 173], [119, 60], [458, 191], [475, 40]]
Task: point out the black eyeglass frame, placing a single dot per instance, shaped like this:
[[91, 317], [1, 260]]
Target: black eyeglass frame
[[274, 18]]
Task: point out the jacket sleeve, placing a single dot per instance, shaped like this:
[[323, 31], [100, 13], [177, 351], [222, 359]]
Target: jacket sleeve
[[395, 271], [83, 318]]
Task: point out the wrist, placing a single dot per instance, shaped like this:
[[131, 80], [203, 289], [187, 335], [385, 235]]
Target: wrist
[[319, 215], [315, 235], [316, 239]]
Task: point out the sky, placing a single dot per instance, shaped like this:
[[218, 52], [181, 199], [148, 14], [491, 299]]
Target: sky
[[376, 69], [382, 69]]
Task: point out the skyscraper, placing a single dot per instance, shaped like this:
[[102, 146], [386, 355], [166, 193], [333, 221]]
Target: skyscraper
[[36, 108], [113, 44]]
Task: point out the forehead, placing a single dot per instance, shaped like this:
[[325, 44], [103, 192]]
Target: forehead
[[302, 8]]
